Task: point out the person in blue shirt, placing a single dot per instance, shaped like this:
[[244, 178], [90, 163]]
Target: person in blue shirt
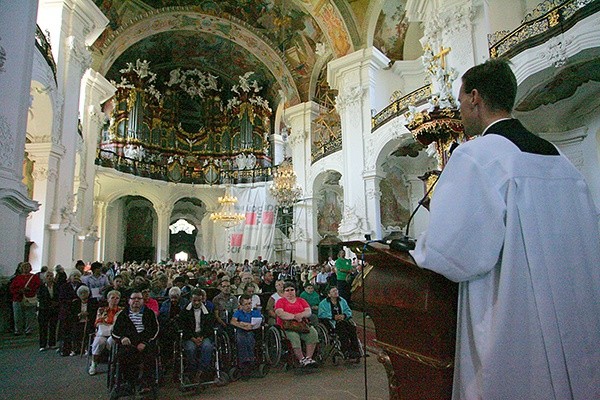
[[242, 320]]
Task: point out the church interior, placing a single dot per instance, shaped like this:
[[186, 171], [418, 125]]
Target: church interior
[[130, 121], [162, 130]]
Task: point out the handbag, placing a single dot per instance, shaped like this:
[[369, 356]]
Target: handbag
[[296, 326], [29, 301]]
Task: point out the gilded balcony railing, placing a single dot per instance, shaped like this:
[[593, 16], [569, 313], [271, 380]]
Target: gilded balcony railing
[[182, 172], [550, 18], [400, 106], [326, 149], [41, 42]]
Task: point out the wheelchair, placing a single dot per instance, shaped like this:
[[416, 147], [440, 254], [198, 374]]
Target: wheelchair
[[331, 345], [104, 357], [279, 351], [222, 353], [116, 381], [231, 360]]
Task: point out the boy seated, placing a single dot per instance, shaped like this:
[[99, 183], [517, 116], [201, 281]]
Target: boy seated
[[246, 319]]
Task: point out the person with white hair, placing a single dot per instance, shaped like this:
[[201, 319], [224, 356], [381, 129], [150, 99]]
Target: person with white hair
[[168, 319], [82, 313], [105, 319]]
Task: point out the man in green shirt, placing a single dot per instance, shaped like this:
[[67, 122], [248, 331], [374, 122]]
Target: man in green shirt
[[343, 267]]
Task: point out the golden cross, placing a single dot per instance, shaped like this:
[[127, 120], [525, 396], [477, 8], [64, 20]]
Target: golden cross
[[442, 55]]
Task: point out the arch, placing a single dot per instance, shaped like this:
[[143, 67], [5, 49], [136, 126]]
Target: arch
[[328, 199], [180, 18]]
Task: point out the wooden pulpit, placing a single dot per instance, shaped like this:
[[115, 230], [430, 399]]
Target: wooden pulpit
[[414, 312]]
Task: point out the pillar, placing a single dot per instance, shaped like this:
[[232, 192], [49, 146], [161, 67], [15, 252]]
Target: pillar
[[354, 77], [95, 91], [17, 32]]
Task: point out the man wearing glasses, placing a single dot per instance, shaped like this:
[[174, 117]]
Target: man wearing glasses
[[135, 330]]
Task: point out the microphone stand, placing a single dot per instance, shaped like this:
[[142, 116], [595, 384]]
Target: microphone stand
[[364, 313], [407, 243], [364, 316]]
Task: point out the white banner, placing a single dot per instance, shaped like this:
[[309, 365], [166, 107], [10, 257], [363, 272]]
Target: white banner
[[254, 236]]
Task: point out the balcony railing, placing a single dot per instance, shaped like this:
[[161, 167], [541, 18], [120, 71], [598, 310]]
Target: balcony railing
[[400, 106], [549, 19], [176, 172], [41, 42], [326, 149]]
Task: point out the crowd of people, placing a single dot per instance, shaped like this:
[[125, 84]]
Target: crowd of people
[[143, 306]]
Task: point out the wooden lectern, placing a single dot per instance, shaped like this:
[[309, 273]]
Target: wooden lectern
[[414, 312]]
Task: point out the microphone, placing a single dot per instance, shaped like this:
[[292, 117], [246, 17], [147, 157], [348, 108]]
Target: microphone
[[407, 243]]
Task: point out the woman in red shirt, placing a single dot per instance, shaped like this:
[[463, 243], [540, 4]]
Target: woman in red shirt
[[289, 308], [23, 285]]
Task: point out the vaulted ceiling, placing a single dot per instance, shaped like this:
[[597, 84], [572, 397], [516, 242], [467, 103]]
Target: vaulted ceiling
[[287, 43]]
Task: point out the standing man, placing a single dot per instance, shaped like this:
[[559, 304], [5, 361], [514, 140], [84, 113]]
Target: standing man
[[512, 221], [343, 267]]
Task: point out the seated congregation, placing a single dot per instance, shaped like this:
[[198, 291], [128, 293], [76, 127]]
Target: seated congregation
[[193, 324]]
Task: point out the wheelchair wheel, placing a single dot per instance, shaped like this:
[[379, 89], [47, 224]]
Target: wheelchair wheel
[[337, 357], [263, 370], [324, 342], [225, 350], [221, 380], [234, 374], [273, 346]]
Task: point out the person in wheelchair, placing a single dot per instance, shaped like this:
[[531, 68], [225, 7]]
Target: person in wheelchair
[[246, 319], [292, 315], [225, 304], [168, 321], [135, 330], [105, 320], [335, 312], [197, 323]]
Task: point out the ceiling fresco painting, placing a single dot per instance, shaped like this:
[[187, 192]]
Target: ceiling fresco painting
[[283, 44], [390, 32], [269, 29], [188, 50]]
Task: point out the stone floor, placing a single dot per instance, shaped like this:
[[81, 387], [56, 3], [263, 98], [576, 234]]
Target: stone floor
[[26, 373]]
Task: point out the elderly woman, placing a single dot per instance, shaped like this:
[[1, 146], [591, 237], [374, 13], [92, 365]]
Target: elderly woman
[[292, 308], [82, 313], [247, 281], [334, 310], [67, 292], [48, 312], [105, 319], [168, 320]]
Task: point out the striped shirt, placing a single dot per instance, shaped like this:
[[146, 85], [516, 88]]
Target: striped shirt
[[136, 318]]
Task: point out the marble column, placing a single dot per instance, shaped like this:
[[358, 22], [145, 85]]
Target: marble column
[[17, 30], [373, 198], [300, 119], [73, 26], [163, 212], [354, 77], [95, 91]]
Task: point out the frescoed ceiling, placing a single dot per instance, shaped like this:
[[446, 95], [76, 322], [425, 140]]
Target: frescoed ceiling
[[285, 42]]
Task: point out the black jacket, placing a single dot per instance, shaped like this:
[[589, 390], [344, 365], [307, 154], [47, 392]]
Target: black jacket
[[187, 322], [125, 328]]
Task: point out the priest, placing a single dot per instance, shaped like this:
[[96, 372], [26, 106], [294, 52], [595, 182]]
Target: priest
[[512, 221]]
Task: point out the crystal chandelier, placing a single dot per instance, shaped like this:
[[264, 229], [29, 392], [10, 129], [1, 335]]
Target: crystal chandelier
[[227, 216], [284, 188]]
